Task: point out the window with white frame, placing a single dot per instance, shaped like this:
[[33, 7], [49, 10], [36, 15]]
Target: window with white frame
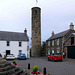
[[20, 44], [57, 41], [58, 50], [8, 43], [48, 51], [48, 43], [52, 42], [52, 50]]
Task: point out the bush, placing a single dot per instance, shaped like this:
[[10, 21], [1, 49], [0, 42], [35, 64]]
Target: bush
[[4, 56], [14, 61], [35, 68]]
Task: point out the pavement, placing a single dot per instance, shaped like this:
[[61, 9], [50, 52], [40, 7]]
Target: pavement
[[70, 60], [67, 67]]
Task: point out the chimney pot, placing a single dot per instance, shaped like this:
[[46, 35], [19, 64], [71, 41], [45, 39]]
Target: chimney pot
[[25, 31], [71, 26], [52, 33], [71, 23]]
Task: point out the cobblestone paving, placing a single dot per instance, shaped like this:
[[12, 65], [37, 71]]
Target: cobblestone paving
[[67, 67]]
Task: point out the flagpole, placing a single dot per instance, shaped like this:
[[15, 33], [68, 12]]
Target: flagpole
[[36, 2]]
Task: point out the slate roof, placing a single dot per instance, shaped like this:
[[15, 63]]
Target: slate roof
[[13, 36], [61, 34]]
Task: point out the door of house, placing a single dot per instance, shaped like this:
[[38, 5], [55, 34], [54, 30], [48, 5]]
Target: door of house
[[7, 52], [71, 52]]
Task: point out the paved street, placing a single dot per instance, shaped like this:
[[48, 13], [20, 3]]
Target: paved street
[[53, 68]]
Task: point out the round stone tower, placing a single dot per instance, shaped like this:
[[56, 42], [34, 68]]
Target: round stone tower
[[36, 32]]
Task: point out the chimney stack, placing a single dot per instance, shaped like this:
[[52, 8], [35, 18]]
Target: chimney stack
[[52, 33], [71, 26], [25, 31]]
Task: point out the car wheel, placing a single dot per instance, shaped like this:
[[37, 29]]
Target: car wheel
[[48, 59], [53, 60], [61, 60]]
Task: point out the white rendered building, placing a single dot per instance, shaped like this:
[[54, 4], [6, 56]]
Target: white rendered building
[[14, 43]]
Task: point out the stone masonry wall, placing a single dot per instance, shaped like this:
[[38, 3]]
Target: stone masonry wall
[[36, 31]]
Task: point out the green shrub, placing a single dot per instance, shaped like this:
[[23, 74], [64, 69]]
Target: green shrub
[[48, 74], [35, 68], [14, 61], [4, 56]]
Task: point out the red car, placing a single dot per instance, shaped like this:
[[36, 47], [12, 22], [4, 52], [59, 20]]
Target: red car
[[55, 56]]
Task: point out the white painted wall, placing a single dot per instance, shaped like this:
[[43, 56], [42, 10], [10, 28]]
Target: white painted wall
[[14, 47]]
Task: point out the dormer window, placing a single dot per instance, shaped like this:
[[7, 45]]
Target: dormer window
[[8, 43]]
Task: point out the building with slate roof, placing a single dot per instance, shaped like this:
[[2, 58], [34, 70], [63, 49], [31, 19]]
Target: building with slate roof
[[55, 44], [14, 43], [69, 46]]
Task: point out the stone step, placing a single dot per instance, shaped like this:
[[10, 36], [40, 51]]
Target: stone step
[[3, 62], [18, 72], [7, 68], [4, 65], [24, 73], [3, 73], [9, 72]]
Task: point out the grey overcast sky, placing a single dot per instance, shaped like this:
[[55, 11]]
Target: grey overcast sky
[[56, 15]]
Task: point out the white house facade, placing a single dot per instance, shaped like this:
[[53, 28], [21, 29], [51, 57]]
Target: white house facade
[[14, 43]]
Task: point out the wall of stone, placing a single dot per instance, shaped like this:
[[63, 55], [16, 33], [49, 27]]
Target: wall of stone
[[36, 31]]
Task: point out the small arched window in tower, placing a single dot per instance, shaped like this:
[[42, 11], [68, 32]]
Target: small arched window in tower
[[36, 12]]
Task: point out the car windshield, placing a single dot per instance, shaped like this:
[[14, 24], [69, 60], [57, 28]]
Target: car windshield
[[21, 55], [10, 55]]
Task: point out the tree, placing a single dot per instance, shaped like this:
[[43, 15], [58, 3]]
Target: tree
[[43, 49]]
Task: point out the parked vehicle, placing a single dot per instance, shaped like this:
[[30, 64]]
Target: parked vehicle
[[10, 56], [0, 55], [22, 56], [55, 57]]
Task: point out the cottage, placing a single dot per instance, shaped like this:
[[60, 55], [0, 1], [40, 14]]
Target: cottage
[[55, 44], [14, 43]]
